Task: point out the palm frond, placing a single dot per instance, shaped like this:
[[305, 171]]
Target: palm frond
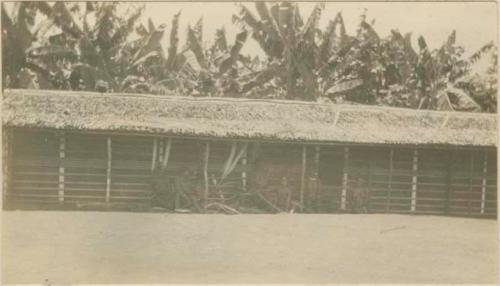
[[7, 22], [151, 25], [220, 42], [369, 34], [260, 78], [198, 30], [44, 7], [329, 39], [64, 19], [196, 46], [127, 27], [247, 18], [287, 21], [298, 18], [235, 51], [174, 41], [422, 44], [270, 25], [152, 45], [452, 38], [475, 57], [249, 21], [312, 23]]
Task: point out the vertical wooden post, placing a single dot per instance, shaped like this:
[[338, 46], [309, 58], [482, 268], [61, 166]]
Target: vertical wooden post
[[414, 181], [483, 182], [62, 154], [317, 151], [155, 150], [471, 174], [205, 171], [345, 179], [303, 177], [370, 171], [317, 186], [160, 151], [389, 189], [7, 142], [5, 167], [448, 182], [166, 154], [244, 171], [108, 172]]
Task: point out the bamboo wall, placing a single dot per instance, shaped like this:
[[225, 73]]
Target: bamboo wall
[[35, 167], [331, 178], [78, 169], [130, 172], [405, 180], [48, 168]]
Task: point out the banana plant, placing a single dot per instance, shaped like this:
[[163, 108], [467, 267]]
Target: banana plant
[[290, 45], [27, 62], [304, 62], [196, 70], [438, 75]]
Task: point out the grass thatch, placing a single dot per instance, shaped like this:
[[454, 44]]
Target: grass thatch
[[245, 119]]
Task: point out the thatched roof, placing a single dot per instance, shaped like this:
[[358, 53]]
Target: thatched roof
[[245, 119]]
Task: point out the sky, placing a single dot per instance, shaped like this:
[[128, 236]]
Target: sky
[[475, 23]]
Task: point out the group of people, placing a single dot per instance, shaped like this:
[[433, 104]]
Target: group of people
[[357, 199], [281, 196]]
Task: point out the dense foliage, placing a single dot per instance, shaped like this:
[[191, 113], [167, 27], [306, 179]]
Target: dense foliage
[[103, 46]]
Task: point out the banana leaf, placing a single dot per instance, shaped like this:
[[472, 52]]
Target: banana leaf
[[235, 51], [345, 86], [151, 46], [174, 41], [196, 47]]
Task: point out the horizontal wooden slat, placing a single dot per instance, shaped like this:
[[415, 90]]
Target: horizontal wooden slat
[[55, 196], [69, 189]]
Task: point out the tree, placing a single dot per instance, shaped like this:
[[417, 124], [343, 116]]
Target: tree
[[483, 89], [199, 71], [106, 53], [307, 63], [64, 51], [21, 59], [290, 45], [102, 46], [443, 78]]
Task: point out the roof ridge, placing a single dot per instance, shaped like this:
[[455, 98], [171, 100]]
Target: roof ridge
[[261, 120], [342, 106]]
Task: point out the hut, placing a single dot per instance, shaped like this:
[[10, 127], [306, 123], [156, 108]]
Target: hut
[[69, 149]]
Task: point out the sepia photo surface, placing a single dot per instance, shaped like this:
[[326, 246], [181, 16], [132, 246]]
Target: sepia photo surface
[[253, 142]]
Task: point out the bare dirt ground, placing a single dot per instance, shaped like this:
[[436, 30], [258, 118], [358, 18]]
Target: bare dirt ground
[[114, 247]]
